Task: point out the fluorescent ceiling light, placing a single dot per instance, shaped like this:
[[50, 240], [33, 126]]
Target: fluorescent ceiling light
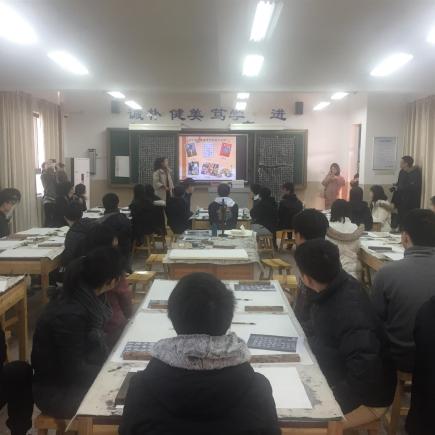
[[391, 64], [241, 105], [243, 95], [132, 104], [262, 19], [15, 28], [68, 62], [431, 36], [321, 105], [117, 94], [339, 95], [252, 65]]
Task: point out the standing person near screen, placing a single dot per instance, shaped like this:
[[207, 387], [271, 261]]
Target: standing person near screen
[[49, 183], [162, 179], [333, 183]]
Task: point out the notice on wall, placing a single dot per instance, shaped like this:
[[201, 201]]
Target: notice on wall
[[122, 166], [384, 153]]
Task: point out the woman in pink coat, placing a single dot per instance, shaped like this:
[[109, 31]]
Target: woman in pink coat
[[333, 183]]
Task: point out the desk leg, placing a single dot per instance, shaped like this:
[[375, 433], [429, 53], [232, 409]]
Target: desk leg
[[85, 426], [335, 428], [22, 326]]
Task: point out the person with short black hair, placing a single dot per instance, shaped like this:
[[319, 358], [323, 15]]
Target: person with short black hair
[[64, 193], [360, 213], [289, 207], [432, 203], [177, 211], [200, 382], [162, 179], [189, 187], [401, 287], [381, 208], [255, 189], [9, 198], [223, 211], [49, 183], [309, 224], [69, 346], [80, 195], [347, 338], [264, 214]]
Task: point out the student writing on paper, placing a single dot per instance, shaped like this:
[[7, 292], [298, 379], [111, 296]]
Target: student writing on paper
[[200, 382], [401, 287], [348, 339], [381, 207], [9, 198], [177, 211], [69, 345], [223, 211]]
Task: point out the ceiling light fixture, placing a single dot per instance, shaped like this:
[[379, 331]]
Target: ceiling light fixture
[[321, 105], [15, 28], [243, 96], [339, 95], [431, 36], [241, 105], [133, 105], [391, 64], [116, 94], [68, 62], [252, 65], [262, 19]]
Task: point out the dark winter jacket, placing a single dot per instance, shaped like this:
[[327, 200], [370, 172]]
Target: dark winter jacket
[[420, 417], [265, 213], [121, 225], [360, 214], [231, 215], [289, 206], [178, 215], [199, 389], [408, 190], [4, 225], [75, 240], [2, 348], [351, 346], [60, 208]]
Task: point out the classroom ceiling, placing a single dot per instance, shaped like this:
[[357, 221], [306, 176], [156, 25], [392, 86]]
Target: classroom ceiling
[[199, 45]]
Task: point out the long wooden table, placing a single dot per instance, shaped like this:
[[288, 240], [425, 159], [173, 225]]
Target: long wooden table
[[15, 297], [98, 407], [200, 219]]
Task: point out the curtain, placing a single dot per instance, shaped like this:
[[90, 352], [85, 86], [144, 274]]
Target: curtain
[[51, 117], [420, 142], [17, 154]]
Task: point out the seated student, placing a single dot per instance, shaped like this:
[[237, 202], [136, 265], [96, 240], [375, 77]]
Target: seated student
[[64, 193], [118, 221], [80, 195], [381, 207], [432, 203], [255, 189], [223, 211], [345, 235], [189, 187], [9, 198], [289, 207], [200, 382], [76, 236], [15, 391], [158, 222], [68, 344], [264, 214], [401, 287], [177, 212], [360, 213], [347, 339]]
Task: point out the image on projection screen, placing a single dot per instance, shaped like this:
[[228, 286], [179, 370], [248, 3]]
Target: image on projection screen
[[207, 157]]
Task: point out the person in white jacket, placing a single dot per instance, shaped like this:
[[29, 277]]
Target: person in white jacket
[[381, 208], [346, 236]]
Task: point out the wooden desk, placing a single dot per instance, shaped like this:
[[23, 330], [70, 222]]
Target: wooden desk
[[16, 297], [370, 261], [221, 271], [204, 224], [98, 407]]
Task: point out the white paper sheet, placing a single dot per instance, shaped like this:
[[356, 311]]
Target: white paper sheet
[[394, 256], [287, 387], [208, 254], [50, 253], [122, 166], [38, 231], [3, 285], [9, 244]]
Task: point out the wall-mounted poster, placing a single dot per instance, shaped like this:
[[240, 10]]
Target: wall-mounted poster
[[384, 153]]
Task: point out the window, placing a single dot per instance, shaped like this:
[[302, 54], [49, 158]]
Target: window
[[38, 136]]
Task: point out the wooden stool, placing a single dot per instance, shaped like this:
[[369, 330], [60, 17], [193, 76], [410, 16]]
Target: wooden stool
[[276, 264], [397, 409], [282, 236], [289, 284], [372, 428], [154, 259], [143, 277], [265, 245], [44, 423]]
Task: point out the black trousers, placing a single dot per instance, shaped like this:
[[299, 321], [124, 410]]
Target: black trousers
[[49, 214], [16, 392]]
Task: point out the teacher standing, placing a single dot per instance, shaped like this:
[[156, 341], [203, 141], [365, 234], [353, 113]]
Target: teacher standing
[[162, 180], [333, 183]]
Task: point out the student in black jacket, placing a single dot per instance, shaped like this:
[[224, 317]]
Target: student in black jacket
[[118, 221], [360, 213], [16, 391], [177, 211], [348, 339], [289, 207], [223, 211], [9, 198], [200, 382], [189, 187], [264, 214], [69, 345], [64, 193], [255, 189]]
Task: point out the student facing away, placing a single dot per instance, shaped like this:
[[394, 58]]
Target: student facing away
[[223, 211], [200, 382], [360, 213], [177, 211], [265, 213], [381, 207], [68, 344], [9, 198], [289, 206], [347, 338]]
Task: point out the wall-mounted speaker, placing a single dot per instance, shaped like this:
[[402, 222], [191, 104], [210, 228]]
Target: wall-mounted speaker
[[299, 108], [115, 106], [92, 154]]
